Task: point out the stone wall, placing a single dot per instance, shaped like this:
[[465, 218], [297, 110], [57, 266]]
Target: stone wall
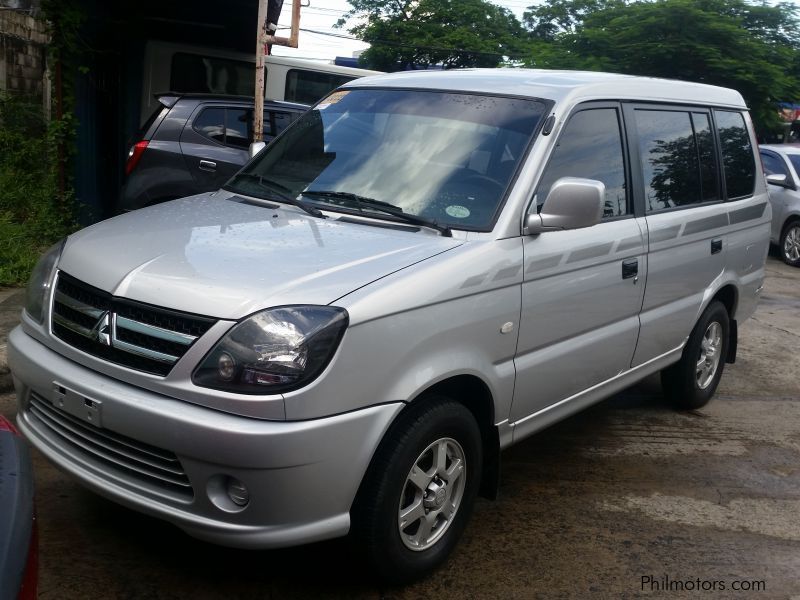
[[23, 51]]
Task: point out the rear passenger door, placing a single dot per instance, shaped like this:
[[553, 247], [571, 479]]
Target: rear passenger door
[[215, 144], [680, 188], [582, 289]]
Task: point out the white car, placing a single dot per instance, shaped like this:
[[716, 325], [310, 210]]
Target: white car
[[782, 165]]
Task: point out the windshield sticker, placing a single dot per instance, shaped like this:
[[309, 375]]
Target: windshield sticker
[[332, 99], [456, 211]]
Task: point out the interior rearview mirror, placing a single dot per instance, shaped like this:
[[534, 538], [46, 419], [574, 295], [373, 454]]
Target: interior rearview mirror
[[572, 203]]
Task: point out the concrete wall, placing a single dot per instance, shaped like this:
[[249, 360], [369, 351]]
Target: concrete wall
[[23, 53]]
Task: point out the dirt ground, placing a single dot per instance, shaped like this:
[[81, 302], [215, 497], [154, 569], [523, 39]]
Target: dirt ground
[[621, 501]]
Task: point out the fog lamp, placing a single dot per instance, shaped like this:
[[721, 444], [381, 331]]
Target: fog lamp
[[237, 492]]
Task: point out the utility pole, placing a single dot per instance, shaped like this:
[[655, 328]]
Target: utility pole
[[268, 13]]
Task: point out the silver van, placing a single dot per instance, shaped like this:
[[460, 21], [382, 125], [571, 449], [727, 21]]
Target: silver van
[[420, 271]]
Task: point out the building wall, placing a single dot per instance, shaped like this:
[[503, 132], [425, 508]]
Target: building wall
[[23, 53]]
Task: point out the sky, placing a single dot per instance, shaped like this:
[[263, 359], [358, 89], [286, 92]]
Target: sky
[[321, 15]]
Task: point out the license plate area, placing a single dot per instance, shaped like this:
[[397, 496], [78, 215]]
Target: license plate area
[[78, 405]]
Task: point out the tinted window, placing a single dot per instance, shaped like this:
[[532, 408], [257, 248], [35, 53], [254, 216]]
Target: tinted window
[[211, 124], [773, 164], [237, 127], [590, 146], [275, 122], [204, 74], [795, 159], [670, 159], [737, 154], [309, 86], [709, 182]]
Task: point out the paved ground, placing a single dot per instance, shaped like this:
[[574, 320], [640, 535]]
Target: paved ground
[[627, 490]]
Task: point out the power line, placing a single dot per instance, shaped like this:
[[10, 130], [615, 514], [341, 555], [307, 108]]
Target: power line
[[413, 46]]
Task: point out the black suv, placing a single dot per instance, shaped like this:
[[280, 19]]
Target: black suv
[[193, 143]]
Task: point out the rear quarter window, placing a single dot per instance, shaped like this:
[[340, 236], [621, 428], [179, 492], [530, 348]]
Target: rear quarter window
[[737, 153]]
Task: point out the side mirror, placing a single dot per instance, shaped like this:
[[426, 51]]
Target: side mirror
[[256, 147], [572, 203], [779, 179]]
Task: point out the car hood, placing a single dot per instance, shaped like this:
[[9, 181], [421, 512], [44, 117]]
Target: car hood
[[212, 256]]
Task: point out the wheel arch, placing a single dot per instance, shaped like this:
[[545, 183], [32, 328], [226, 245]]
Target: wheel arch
[[475, 395], [728, 295]]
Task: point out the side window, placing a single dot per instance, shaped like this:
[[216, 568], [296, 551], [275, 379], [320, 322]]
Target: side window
[[672, 156], [590, 146], [207, 74], [211, 124], [773, 165], [709, 180], [237, 126], [309, 86], [275, 122], [229, 126], [737, 153]]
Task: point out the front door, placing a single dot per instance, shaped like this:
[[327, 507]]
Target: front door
[[582, 289]]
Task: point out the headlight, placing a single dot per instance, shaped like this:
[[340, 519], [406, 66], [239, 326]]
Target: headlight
[[275, 350], [41, 279]]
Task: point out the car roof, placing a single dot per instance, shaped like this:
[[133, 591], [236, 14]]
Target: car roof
[[782, 148], [175, 96], [557, 85]]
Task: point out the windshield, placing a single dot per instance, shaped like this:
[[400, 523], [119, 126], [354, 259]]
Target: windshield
[[795, 158], [444, 157]]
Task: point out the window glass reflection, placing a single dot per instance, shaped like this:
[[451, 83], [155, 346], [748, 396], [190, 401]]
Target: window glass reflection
[[590, 146]]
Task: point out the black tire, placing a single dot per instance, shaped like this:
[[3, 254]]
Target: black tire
[[386, 487], [789, 244], [683, 382]]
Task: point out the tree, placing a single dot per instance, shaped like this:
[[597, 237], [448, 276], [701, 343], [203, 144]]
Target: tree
[[453, 33], [754, 49]]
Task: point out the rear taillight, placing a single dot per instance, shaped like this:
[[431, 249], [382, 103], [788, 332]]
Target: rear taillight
[[30, 581], [134, 154], [6, 425]]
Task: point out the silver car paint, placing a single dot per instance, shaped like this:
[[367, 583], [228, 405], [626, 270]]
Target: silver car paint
[[544, 323], [302, 476], [785, 202]]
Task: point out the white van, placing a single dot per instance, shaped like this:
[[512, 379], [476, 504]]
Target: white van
[[197, 69]]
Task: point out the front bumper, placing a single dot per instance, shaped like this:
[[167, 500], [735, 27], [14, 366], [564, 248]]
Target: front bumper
[[301, 476]]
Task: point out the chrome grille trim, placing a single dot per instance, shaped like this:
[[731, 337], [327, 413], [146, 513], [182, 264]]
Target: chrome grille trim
[[152, 330], [130, 460], [136, 335]]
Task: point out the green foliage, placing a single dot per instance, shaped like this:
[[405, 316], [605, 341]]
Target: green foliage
[[753, 48], [37, 201], [32, 213], [454, 33]]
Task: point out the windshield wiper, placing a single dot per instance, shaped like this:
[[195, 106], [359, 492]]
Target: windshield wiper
[[282, 193], [380, 206]]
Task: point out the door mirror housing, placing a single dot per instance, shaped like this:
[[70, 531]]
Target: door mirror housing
[[572, 203], [779, 179], [256, 147]]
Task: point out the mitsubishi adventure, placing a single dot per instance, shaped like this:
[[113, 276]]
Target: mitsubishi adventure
[[420, 271]]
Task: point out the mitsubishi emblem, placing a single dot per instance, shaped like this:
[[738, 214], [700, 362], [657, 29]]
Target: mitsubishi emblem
[[100, 331]]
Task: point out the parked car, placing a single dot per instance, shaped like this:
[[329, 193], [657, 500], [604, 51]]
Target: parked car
[[193, 143], [422, 270], [782, 166], [19, 550]]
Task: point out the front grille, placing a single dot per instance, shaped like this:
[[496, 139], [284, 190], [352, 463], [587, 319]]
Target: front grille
[[123, 458], [133, 334]]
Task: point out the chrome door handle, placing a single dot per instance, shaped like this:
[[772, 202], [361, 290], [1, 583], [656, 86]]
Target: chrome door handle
[[208, 165]]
